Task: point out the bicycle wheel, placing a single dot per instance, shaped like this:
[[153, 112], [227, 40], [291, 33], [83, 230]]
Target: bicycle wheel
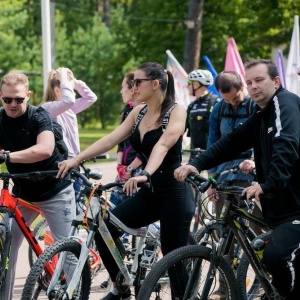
[[248, 285], [5, 246], [187, 267], [38, 279]]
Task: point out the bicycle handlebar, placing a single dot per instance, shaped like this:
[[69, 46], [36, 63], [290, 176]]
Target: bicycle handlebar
[[101, 188], [30, 175]]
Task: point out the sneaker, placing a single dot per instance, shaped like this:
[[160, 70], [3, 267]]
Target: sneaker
[[218, 295], [104, 284]]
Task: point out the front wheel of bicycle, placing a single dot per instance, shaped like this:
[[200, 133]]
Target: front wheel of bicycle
[[188, 269], [38, 280]]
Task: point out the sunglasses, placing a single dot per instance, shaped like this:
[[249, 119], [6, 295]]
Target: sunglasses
[[190, 82], [137, 82], [9, 100]]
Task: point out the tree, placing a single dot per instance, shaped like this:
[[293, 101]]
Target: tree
[[192, 47]]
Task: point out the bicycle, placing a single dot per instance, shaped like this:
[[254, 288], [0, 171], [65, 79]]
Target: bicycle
[[196, 269], [209, 232], [9, 210], [57, 286], [204, 208], [41, 229]]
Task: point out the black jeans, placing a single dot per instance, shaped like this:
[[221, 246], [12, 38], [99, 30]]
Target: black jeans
[[171, 204], [282, 260]]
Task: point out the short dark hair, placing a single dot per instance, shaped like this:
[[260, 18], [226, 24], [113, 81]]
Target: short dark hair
[[272, 69], [227, 80]]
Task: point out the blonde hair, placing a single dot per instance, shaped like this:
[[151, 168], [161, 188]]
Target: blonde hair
[[14, 78], [52, 83]]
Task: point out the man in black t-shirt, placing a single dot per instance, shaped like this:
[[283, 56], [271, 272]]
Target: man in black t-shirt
[[199, 110], [27, 144]]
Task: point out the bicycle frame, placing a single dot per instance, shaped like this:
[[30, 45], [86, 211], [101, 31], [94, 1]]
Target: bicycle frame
[[85, 245], [8, 204], [229, 221]]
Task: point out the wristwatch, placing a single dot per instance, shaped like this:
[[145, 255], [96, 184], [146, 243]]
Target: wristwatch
[[129, 168]]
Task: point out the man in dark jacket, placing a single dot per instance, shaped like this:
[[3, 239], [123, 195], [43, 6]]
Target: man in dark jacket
[[199, 110], [274, 133]]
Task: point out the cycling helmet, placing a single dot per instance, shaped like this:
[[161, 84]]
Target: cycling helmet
[[203, 76]]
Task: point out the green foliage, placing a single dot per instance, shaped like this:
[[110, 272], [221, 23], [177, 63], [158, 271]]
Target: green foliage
[[100, 53]]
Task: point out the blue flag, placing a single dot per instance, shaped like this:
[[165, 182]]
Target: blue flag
[[214, 73]]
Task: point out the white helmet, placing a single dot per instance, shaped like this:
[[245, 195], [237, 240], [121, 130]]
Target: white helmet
[[203, 76]]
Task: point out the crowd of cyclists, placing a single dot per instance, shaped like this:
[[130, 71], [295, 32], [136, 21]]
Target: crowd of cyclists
[[256, 125]]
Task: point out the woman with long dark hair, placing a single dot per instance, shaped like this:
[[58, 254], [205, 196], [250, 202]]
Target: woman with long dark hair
[[156, 130]]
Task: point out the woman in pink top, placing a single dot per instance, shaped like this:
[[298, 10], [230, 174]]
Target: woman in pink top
[[63, 107]]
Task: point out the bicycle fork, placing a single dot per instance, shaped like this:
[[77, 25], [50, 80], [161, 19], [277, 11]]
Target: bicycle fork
[[84, 253]]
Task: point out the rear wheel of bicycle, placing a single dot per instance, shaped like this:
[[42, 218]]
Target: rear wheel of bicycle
[[248, 285], [38, 279], [188, 267]]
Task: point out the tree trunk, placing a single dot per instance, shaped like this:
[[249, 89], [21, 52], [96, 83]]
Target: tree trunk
[[192, 47]]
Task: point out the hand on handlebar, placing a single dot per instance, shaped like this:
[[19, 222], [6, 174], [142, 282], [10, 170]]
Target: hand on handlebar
[[65, 165], [253, 191], [131, 184], [182, 172], [247, 166]]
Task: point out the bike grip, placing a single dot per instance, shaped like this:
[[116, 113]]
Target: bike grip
[[204, 187]]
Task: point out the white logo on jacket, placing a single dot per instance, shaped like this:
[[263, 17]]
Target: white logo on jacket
[[270, 129]]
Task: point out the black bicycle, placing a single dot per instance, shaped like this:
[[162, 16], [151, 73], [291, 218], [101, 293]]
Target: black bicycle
[[195, 271]]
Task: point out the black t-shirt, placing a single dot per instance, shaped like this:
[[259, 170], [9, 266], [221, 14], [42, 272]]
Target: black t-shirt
[[20, 133]]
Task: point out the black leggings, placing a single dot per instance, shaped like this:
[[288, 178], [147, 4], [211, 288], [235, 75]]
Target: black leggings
[[173, 205], [282, 260]]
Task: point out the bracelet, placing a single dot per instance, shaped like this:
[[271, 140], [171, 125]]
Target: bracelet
[[7, 153], [76, 159], [145, 173]]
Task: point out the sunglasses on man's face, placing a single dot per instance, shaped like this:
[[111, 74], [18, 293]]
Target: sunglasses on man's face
[[9, 100], [137, 82]]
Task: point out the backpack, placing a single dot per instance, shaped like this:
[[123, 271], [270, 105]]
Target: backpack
[[59, 140], [57, 131], [221, 113]]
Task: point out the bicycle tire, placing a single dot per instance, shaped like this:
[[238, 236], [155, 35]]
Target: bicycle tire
[[5, 244], [157, 284], [38, 279], [248, 285]]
